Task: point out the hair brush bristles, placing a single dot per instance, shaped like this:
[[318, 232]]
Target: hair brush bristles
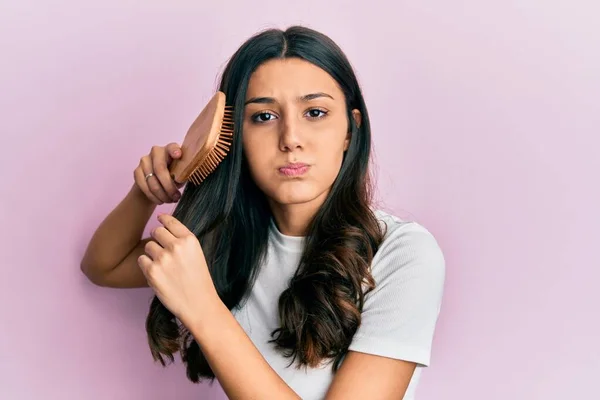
[[212, 160]]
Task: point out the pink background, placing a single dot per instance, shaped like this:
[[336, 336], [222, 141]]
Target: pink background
[[486, 119]]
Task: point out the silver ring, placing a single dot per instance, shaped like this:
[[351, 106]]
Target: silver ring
[[148, 176]]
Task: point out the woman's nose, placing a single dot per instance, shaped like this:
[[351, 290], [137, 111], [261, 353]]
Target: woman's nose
[[290, 137]]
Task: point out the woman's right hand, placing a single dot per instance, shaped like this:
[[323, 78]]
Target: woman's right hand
[[159, 187]]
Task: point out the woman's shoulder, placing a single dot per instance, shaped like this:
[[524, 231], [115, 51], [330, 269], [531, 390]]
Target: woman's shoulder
[[407, 245], [394, 225]]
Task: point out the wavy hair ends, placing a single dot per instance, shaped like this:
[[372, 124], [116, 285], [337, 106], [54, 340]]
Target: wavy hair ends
[[321, 309]]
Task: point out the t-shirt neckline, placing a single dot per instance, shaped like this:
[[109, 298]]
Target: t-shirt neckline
[[294, 243]]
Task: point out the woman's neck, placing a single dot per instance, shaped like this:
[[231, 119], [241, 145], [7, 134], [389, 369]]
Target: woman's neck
[[294, 219]]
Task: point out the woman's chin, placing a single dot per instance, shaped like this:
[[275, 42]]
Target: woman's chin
[[291, 199], [294, 194]]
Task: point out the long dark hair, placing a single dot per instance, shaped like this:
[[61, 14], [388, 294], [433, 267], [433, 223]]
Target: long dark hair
[[320, 310]]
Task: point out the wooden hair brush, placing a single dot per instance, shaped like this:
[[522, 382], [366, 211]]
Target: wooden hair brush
[[206, 142]]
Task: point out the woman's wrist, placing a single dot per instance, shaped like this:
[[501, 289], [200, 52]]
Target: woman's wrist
[[204, 311], [136, 194]]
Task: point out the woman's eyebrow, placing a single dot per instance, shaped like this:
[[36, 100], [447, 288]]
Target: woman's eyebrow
[[312, 96]]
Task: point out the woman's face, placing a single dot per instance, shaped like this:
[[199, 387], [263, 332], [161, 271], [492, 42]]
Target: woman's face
[[295, 131]]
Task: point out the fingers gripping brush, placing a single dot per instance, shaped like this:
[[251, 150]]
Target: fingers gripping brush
[[206, 143]]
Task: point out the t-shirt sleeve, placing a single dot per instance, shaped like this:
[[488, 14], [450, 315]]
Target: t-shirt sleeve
[[399, 316]]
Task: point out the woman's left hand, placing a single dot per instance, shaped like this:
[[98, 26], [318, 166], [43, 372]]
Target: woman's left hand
[[175, 268]]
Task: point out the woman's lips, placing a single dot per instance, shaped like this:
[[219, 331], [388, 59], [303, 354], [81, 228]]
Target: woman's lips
[[296, 169]]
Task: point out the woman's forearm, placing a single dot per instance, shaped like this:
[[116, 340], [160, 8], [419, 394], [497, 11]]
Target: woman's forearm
[[238, 365]]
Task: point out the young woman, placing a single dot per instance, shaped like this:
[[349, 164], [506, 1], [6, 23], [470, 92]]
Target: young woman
[[276, 275]]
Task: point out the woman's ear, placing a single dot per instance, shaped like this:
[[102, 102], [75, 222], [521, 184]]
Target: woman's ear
[[357, 117]]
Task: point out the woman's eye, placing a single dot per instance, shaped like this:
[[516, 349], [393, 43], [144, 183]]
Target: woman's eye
[[263, 117], [316, 113]]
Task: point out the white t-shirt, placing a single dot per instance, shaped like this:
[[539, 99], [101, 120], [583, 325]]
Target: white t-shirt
[[398, 318]]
